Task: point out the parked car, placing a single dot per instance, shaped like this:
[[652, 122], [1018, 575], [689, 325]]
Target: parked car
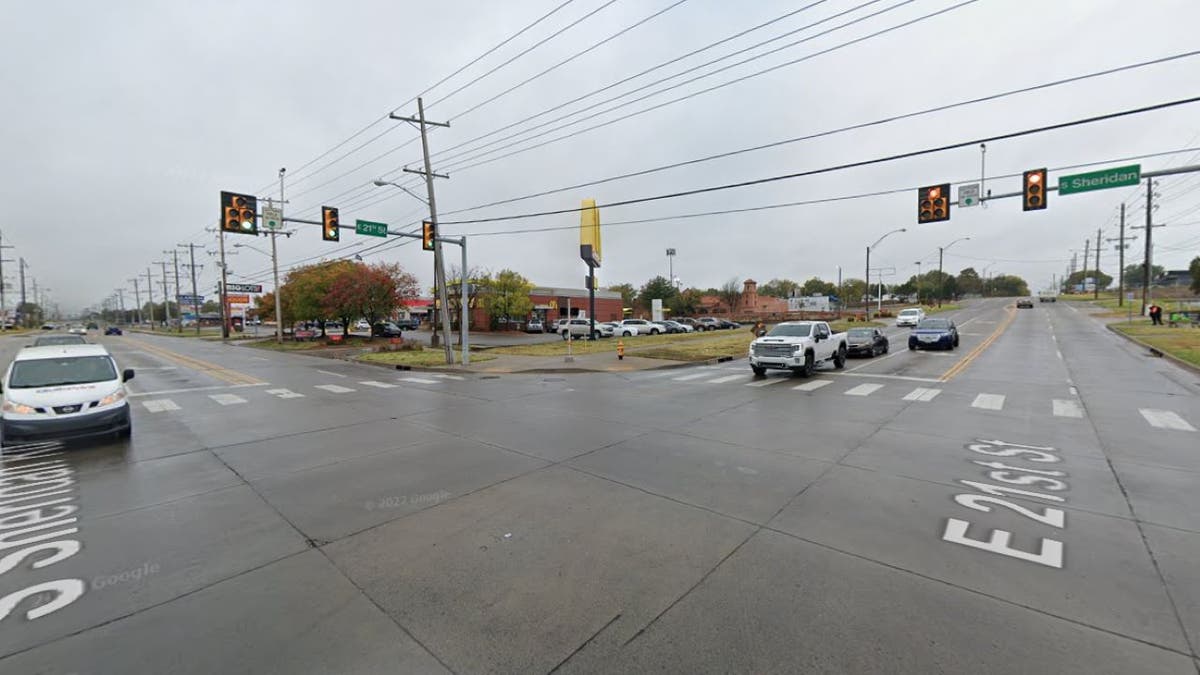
[[333, 326], [61, 392], [644, 327], [362, 324], [92, 326], [709, 323], [689, 322], [1047, 296], [411, 323], [866, 342], [578, 328], [726, 323], [1025, 303], [534, 325], [386, 329], [676, 327], [50, 340], [797, 346], [113, 330], [941, 333], [910, 316]]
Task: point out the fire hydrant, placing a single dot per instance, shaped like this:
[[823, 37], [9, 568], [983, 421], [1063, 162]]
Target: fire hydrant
[[620, 350]]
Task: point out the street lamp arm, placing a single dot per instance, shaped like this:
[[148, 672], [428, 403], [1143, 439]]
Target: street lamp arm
[[885, 236]]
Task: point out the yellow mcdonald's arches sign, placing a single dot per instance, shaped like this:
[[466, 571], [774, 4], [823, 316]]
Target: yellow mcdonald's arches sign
[[589, 233]]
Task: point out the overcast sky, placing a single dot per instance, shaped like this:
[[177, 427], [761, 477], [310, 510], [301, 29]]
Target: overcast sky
[[122, 121]]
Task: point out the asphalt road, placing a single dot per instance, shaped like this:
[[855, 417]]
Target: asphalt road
[[1027, 503]]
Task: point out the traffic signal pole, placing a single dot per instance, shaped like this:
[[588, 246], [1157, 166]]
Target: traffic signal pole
[[221, 286], [439, 268]]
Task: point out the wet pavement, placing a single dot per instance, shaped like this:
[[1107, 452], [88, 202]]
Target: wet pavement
[[1026, 503]]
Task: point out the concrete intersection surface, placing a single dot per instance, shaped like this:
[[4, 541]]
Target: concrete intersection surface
[[1027, 503]]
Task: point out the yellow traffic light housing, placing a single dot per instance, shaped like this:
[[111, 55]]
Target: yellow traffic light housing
[[239, 213], [427, 235], [933, 203], [329, 226], [1033, 192]]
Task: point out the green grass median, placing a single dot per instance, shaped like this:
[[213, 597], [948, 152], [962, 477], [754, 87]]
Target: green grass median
[[1182, 342], [424, 357]]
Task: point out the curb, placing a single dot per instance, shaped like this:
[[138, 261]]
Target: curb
[[534, 371], [1155, 351]]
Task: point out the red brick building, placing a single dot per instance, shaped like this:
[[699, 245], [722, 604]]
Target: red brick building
[[750, 305], [549, 304]]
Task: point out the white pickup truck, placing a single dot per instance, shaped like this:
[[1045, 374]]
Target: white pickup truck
[[798, 346]]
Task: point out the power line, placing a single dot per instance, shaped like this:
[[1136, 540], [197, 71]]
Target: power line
[[848, 165], [854, 127]]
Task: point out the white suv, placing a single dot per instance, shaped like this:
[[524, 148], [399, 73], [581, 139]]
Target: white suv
[[63, 391], [578, 328], [644, 327], [910, 317]]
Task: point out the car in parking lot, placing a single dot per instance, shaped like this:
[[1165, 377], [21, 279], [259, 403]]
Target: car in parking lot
[[54, 339], [644, 327], [362, 324], [534, 325], [386, 329], [726, 323], [676, 326], [866, 342], [910, 316], [709, 323], [1025, 303], [63, 391], [940, 333], [578, 328]]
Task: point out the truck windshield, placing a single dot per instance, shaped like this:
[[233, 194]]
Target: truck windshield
[[791, 330], [60, 372]]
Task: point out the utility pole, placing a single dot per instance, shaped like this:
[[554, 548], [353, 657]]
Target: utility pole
[[1148, 260], [1121, 272], [223, 283], [178, 305], [121, 303], [3, 306], [192, 268], [439, 268], [150, 292], [1096, 287], [137, 297], [22, 267], [275, 268], [166, 294], [1086, 254]]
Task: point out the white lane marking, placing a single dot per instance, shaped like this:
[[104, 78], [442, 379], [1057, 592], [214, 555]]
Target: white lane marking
[[381, 385], [160, 405], [989, 401], [1066, 408], [284, 393], [259, 358], [1074, 391], [1165, 419], [728, 378], [888, 377], [653, 376], [693, 376], [329, 372], [864, 390], [1058, 353], [334, 388], [419, 380], [922, 394], [187, 389], [812, 386], [227, 399], [141, 368], [767, 382], [446, 376]]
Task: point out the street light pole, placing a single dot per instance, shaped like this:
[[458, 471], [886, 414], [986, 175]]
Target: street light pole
[[918, 282], [877, 242], [941, 278], [275, 269]]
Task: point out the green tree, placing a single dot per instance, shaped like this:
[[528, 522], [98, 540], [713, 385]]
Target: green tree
[[1194, 270], [477, 280], [818, 286], [854, 290], [1133, 274], [507, 296], [684, 303], [968, 282], [1102, 279], [778, 288], [212, 306], [1007, 285], [373, 292], [31, 314], [628, 293], [305, 288], [659, 287]]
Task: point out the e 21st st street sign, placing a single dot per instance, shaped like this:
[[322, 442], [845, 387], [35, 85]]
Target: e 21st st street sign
[[369, 228], [1118, 176]]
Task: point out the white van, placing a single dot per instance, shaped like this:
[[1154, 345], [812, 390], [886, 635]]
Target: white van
[[63, 391]]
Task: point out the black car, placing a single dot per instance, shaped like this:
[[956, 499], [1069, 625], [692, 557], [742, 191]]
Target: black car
[[866, 342], [726, 323], [386, 329], [93, 326], [941, 333], [113, 330]]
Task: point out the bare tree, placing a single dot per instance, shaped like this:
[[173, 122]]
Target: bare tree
[[731, 293]]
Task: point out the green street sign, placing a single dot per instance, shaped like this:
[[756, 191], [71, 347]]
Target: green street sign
[[1119, 176], [371, 229]]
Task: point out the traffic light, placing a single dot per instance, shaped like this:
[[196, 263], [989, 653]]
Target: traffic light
[[329, 227], [239, 213], [933, 203], [1033, 194], [427, 235]]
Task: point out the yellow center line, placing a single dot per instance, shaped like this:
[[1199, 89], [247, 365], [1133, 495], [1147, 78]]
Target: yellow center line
[[965, 361], [218, 372]]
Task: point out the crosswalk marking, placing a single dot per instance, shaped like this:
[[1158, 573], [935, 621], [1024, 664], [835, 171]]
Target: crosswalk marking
[[989, 401], [812, 386], [1165, 419], [727, 378], [765, 383], [864, 389], [227, 399], [1065, 407], [334, 388], [284, 393], [381, 385], [922, 394], [446, 376], [693, 376], [160, 405], [418, 380]]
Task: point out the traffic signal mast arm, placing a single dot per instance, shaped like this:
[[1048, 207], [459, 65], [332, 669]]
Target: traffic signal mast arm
[[391, 233], [1191, 168]]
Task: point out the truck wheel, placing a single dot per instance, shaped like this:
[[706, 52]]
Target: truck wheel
[[807, 369], [564, 336], [839, 359], [912, 347], [758, 371]]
